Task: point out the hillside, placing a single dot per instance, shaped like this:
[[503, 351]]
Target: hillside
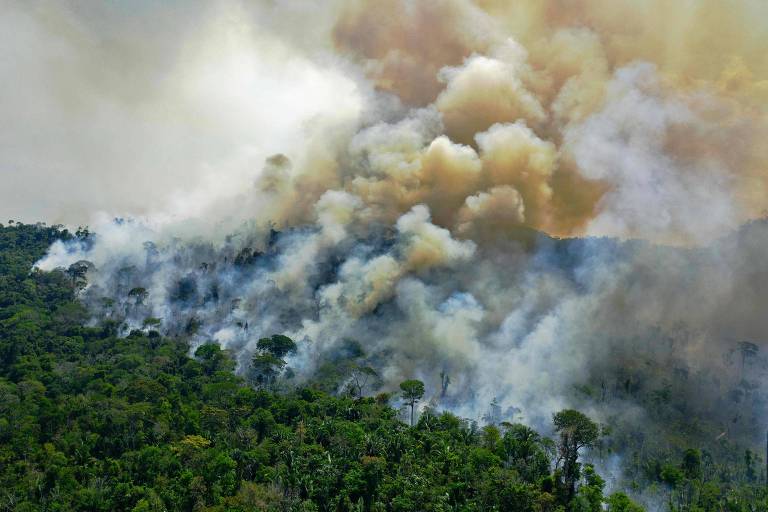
[[95, 421]]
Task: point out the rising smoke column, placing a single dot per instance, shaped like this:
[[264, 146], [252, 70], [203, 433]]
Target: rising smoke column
[[419, 222]]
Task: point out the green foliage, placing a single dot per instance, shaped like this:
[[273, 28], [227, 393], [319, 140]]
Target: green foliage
[[671, 475], [91, 421], [213, 359], [94, 422], [278, 345], [267, 363], [620, 502], [576, 431], [526, 451], [590, 495], [692, 463], [412, 391]]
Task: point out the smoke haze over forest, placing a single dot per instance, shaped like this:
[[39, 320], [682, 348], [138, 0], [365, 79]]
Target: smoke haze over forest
[[550, 204]]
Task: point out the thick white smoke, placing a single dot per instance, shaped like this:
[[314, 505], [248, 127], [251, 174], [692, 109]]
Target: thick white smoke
[[404, 186]]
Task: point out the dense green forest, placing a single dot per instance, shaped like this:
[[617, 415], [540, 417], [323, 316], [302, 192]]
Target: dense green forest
[[93, 421]]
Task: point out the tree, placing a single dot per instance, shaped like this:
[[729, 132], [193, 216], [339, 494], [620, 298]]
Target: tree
[[139, 295], [359, 379], [525, 451], [576, 431], [591, 493], [152, 323], [266, 367], [620, 502], [278, 345], [77, 272], [692, 463], [445, 381], [748, 350], [671, 475], [213, 358], [412, 392], [749, 465], [268, 362], [372, 471]]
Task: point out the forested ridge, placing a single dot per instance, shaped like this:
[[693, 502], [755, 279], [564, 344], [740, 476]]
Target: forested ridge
[[90, 420]]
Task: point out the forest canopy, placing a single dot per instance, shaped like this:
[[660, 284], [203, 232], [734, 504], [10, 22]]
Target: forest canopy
[[90, 420]]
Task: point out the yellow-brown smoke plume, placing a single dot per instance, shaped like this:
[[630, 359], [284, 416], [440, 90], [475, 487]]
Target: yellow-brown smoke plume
[[535, 86]]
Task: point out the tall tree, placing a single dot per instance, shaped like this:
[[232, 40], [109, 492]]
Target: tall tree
[[412, 392], [278, 345], [445, 380], [139, 295], [359, 378], [748, 350], [77, 272], [268, 362], [576, 431], [525, 451]]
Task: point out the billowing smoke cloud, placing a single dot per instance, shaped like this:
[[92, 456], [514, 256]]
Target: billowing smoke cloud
[[421, 185]]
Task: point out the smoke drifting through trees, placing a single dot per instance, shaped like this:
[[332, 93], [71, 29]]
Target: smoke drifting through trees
[[415, 225]]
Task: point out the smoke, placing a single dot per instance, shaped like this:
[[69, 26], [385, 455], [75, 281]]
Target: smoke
[[152, 109], [435, 180]]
